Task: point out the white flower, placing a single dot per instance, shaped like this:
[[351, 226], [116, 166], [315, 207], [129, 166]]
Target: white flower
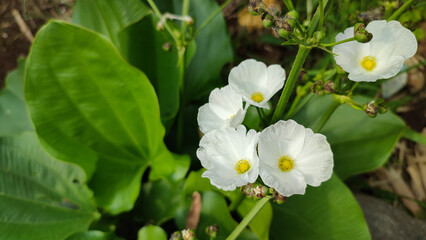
[[380, 58], [229, 155], [292, 156], [255, 82], [224, 109]]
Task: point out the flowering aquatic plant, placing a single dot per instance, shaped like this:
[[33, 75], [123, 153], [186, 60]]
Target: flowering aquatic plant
[[380, 58], [126, 81], [224, 109], [255, 82], [230, 157]]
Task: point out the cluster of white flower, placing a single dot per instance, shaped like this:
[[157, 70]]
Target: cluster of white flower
[[380, 58], [286, 155]]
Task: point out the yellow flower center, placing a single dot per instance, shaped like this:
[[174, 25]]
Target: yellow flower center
[[257, 97], [368, 63], [286, 163], [242, 166]]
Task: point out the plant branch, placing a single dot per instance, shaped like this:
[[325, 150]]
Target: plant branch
[[400, 11], [324, 118], [246, 220], [290, 83], [337, 43], [210, 18], [160, 16]]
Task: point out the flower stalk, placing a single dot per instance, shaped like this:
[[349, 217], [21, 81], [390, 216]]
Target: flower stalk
[[253, 212], [291, 81], [400, 11]]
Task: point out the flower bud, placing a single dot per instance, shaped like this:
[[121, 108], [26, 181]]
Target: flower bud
[[318, 35], [267, 23], [283, 33], [291, 22], [318, 88], [329, 87], [371, 109], [176, 236], [212, 230], [167, 46], [254, 9], [278, 198], [293, 15], [188, 234], [361, 35]]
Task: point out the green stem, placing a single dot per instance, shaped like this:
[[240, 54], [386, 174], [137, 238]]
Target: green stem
[[400, 11], [321, 7], [185, 10], [180, 120], [289, 4], [259, 205], [334, 105], [166, 25], [296, 100], [339, 42], [210, 18], [414, 136], [291, 81]]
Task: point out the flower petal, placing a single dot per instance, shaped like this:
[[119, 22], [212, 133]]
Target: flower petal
[[208, 120], [315, 161], [285, 183], [225, 103]]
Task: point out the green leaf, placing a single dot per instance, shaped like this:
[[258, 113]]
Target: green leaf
[[359, 143], [94, 235], [328, 212], [14, 117], [261, 223], [315, 19], [158, 201], [214, 50], [100, 103], [152, 232], [41, 197], [145, 51], [109, 17]]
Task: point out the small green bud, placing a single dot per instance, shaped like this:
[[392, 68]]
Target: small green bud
[[371, 109], [293, 15], [176, 236], [318, 88], [318, 35], [283, 33], [362, 35], [382, 109], [212, 231], [267, 23], [278, 198], [167, 46], [292, 22], [329, 87], [188, 234]]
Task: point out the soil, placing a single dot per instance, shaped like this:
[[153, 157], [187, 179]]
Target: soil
[[13, 43]]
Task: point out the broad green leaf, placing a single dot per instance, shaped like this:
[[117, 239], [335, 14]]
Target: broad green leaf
[[82, 94], [145, 51], [328, 212], [94, 235], [40, 197], [108, 17], [158, 201], [152, 232], [261, 223], [359, 143], [13, 111]]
